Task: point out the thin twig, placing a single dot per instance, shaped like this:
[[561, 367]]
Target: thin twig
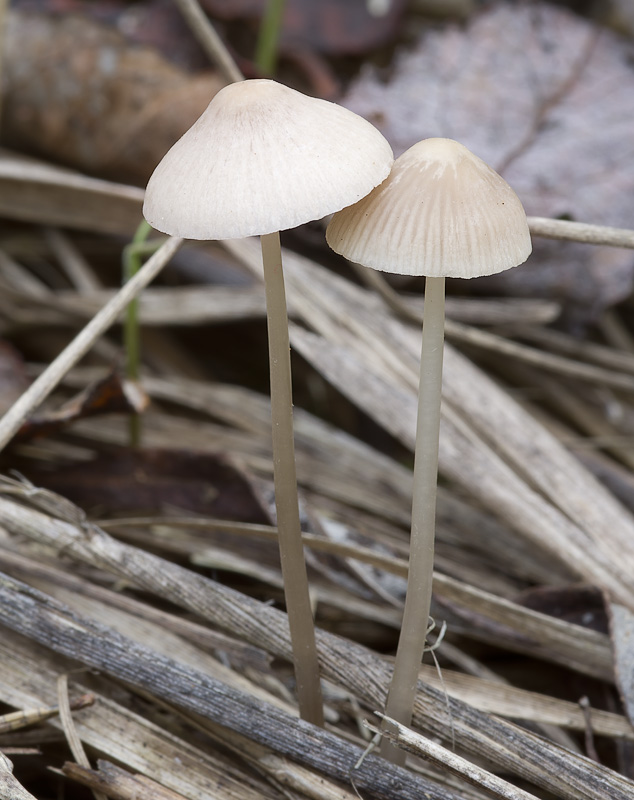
[[581, 232], [540, 358], [48, 380], [420, 745], [77, 270], [72, 737], [209, 40]]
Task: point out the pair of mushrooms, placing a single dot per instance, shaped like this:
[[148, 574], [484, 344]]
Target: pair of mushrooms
[[264, 158]]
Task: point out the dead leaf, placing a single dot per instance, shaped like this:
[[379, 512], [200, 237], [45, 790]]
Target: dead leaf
[[76, 92], [109, 395], [32, 191], [541, 95], [155, 480]]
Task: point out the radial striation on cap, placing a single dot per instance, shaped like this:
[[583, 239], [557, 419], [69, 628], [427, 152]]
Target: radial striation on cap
[[442, 212], [263, 158]]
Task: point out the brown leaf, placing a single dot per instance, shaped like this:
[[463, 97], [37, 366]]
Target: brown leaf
[[78, 93], [542, 95], [153, 480], [110, 395]]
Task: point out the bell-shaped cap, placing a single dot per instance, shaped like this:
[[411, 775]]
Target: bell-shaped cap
[[263, 158], [442, 212]]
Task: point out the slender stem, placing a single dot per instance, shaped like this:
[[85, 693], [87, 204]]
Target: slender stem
[[581, 232], [52, 375], [131, 334], [411, 643], [209, 40], [300, 616], [266, 49]]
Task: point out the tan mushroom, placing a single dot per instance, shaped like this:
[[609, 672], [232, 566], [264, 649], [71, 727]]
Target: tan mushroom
[[441, 213]]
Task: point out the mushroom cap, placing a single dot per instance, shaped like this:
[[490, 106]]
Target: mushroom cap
[[442, 212], [263, 158]]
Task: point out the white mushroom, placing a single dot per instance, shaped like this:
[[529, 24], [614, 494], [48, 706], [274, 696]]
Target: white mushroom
[[263, 158]]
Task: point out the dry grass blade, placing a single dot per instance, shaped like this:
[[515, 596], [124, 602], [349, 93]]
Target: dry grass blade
[[67, 359], [172, 306], [72, 261], [73, 739], [33, 191], [41, 618], [404, 737], [283, 772], [473, 311], [620, 359], [520, 704], [581, 649], [580, 232], [373, 359], [117, 783], [469, 461], [127, 617], [358, 670], [21, 719], [546, 361], [119, 733], [211, 43], [10, 789]]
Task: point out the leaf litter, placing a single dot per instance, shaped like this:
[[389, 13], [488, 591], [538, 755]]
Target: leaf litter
[[517, 511], [540, 94]]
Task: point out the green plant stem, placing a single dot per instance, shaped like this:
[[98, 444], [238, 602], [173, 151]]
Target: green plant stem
[[411, 643], [300, 616], [266, 49], [131, 336], [42, 386], [4, 10]]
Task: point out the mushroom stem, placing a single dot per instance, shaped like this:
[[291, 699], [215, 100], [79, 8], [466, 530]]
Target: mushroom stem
[[411, 643], [294, 573]]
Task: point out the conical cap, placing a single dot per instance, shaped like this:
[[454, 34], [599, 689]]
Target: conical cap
[[442, 212], [263, 158]]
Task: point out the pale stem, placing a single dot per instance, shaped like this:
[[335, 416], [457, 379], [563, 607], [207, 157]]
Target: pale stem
[[411, 643], [300, 617]]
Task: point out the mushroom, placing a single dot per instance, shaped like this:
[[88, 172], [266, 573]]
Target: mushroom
[[441, 213], [263, 158]]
